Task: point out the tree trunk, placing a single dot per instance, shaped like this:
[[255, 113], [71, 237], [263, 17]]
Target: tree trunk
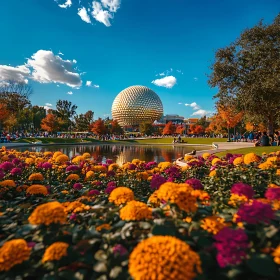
[[270, 123]]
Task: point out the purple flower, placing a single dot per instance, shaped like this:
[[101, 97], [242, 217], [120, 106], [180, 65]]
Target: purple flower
[[231, 246], [16, 171], [157, 181], [254, 213], [31, 244], [242, 189], [72, 168], [109, 189], [73, 216], [150, 165], [77, 186], [93, 192], [47, 165], [109, 161], [112, 184], [111, 173], [119, 250], [272, 193], [2, 174], [228, 156], [98, 183], [173, 172], [195, 183], [16, 161], [11, 156], [6, 166], [132, 166]]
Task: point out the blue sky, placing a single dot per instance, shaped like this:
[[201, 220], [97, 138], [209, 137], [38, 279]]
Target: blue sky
[[167, 45]]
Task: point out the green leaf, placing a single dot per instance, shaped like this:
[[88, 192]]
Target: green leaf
[[262, 265], [164, 230]]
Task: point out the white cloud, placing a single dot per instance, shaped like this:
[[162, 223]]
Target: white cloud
[[49, 68], [60, 53], [82, 12], [17, 74], [161, 74], [168, 82], [48, 104], [101, 15], [201, 113], [193, 105], [70, 92], [96, 86], [111, 5], [88, 83], [180, 71], [179, 103], [67, 4]]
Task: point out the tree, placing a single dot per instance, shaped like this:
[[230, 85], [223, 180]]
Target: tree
[[99, 127], [4, 113], [83, 121], [38, 113], [169, 129], [179, 129], [247, 73], [146, 128], [203, 122], [50, 123], [196, 129], [116, 128], [217, 124], [65, 111]]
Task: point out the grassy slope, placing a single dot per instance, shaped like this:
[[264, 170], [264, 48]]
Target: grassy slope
[[256, 150], [131, 141]]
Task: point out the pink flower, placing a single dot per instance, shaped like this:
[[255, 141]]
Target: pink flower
[[72, 168], [272, 193], [195, 183], [31, 244], [93, 192], [73, 216], [157, 181], [6, 166], [16, 171], [242, 189], [119, 250], [77, 186], [109, 161], [47, 165]]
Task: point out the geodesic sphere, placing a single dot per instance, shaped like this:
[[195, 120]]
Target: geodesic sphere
[[136, 104]]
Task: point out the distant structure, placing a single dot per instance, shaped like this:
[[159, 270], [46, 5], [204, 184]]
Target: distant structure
[[175, 119], [136, 104]]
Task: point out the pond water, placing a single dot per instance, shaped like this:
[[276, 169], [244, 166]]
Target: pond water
[[121, 153]]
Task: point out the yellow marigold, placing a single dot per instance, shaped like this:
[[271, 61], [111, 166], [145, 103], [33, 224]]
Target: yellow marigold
[[89, 175], [278, 172], [265, 165], [103, 226], [121, 195], [64, 192], [213, 173], [142, 175], [78, 159], [213, 224], [36, 177], [179, 194], [236, 200], [201, 195], [238, 161], [39, 159], [113, 167], [55, 252], [136, 161], [29, 161], [164, 165], [188, 219], [75, 206], [8, 183], [56, 154], [215, 161], [206, 155], [47, 154], [184, 168], [135, 211], [72, 177], [273, 159], [277, 153], [153, 199], [37, 189], [61, 159], [13, 252], [99, 168], [48, 213], [188, 157], [86, 155], [276, 255], [163, 257], [250, 158]]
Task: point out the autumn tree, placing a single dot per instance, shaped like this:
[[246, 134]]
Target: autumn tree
[[179, 129], [65, 110], [4, 113], [50, 123], [169, 129], [247, 73], [83, 121], [217, 124], [196, 129], [98, 127], [116, 128], [146, 128]]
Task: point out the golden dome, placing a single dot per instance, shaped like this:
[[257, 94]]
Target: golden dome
[[136, 104]]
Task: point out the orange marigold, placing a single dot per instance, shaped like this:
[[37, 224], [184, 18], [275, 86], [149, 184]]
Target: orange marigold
[[213, 173], [47, 154], [135, 211], [78, 159], [75, 206], [36, 177], [163, 257], [188, 157], [153, 199], [266, 165], [89, 175], [8, 183], [121, 195], [206, 155], [37, 189], [113, 167], [48, 213], [179, 194], [238, 161], [29, 161], [56, 154], [278, 172], [99, 168], [86, 155], [215, 161], [164, 165], [55, 252], [276, 255], [250, 158], [103, 226], [61, 159], [236, 200], [142, 175], [13, 252], [72, 177], [213, 224]]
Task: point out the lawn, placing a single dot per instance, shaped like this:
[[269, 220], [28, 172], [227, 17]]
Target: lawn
[[256, 150]]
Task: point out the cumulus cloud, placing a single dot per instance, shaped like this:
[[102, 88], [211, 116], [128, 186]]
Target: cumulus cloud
[[167, 82], [89, 84], [111, 5], [49, 68], [201, 113], [66, 5], [82, 12], [193, 105], [70, 92], [101, 15], [18, 74], [47, 106]]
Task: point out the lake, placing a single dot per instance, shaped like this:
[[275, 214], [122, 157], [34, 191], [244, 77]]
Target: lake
[[121, 153]]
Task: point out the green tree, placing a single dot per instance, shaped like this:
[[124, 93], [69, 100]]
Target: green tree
[[65, 111], [247, 73], [146, 128], [83, 121], [38, 113]]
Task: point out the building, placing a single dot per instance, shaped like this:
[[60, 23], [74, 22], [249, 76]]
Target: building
[[175, 119]]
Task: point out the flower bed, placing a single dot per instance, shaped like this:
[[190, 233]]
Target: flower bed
[[216, 218]]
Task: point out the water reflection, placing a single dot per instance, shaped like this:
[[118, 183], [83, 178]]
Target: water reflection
[[121, 153]]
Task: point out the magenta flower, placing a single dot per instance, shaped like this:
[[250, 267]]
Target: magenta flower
[[31, 244], [132, 166], [254, 213], [2, 174], [73, 216], [119, 250], [77, 186], [72, 168], [16, 161], [157, 181], [109, 189], [195, 183], [231, 246], [16, 171], [6, 166], [47, 165], [109, 161], [272, 193], [93, 192], [150, 165], [97, 183], [242, 189], [111, 173]]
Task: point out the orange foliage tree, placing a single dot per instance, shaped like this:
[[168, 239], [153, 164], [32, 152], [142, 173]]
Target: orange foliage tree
[[50, 123], [229, 115], [179, 129], [98, 127], [251, 127], [217, 124], [196, 129], [4, 113], [169, 129]]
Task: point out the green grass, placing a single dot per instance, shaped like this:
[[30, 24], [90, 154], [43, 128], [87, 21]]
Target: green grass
[[55, 140], [256, 150]]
